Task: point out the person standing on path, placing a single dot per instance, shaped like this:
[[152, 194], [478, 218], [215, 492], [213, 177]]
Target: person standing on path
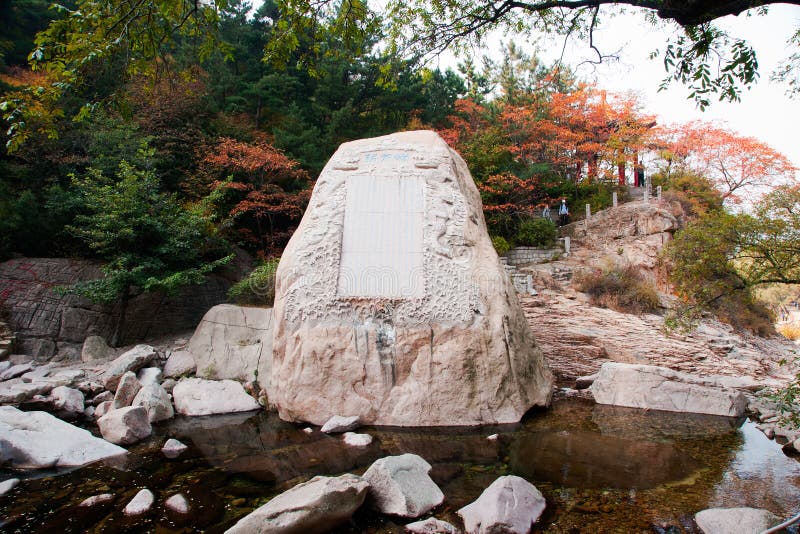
[[563, 213]]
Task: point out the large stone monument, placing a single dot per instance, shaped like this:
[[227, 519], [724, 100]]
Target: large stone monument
[[391, 303]]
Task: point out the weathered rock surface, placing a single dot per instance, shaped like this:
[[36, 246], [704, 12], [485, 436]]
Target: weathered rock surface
[[391, 302], [195, 396], [735, 520], [357, 440], [658, 388], [172, 448], [179, 363], [125, 425], [431, 526], [67, 399], [103, 396], [155, 400], [35, 440], [130, 361], [103, 408], [311, 507], [15, 371], [16, 391], [510, 504], [127, 389], [141, 503], [95, 349], [234, 342], [400, 485], [338, 423]]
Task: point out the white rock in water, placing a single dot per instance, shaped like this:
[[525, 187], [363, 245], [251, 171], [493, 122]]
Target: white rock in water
[[127, 388], [391, 302], [35, 440], [97, 499], [179, 363], [67, 399], [132, 360], [155, 400], [510, 504], [234, 342], [493, 437], [357, 440], [172, 448], [177, 503], [431, 526], [312, 507], [195, 396], [659, 388], [400, 485], [338, 423], [141, 503], [735, 520], [8, 485], [125, 425], [149, 375]]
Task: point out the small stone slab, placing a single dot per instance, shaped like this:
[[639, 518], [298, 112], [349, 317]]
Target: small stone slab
[[177, 503], [172, 448], [97, 499], [357, 440], [400, 485], [339, 423], [141, 503]]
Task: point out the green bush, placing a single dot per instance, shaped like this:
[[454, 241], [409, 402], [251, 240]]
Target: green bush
[[258, 287], [536, 233], [501, 245], [622, 289]]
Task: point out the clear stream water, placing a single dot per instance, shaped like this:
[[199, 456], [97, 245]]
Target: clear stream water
[[601, 469]]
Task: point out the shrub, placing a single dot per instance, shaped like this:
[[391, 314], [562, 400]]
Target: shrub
[[536, 233], [622, 289], [501, 245], [258, 287]]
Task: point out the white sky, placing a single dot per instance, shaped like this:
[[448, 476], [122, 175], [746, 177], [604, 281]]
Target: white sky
[[765, 112]]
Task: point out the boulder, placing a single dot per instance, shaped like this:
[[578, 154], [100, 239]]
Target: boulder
[[659, 388], [132, 360], [195, 396], [36, 440], [168, 384], [172, 448], [735, 520], [15, 370], [357, 440], [391, 302], [127, 389], [97, 499], [102, 397], [400, 485], [177, 503], [179, 363], [431, 526], [311, 507], [125, 425], [8, 485], [583, 382], [103, 408], [95, 349], [510, 504], [67, 399], [234, 342], [155, 400], [338, 423], [149, 375], [141, 503]]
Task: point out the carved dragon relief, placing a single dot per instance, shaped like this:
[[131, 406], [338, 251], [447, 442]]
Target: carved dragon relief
[[449, 292]]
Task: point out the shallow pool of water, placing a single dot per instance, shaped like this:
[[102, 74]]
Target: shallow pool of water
[[601, 469]]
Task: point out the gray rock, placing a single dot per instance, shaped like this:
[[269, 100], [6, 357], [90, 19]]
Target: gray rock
[[15, 370], [8, 485], [35, 440], [659, 388], [103, 408], [156, 401], [90, 388], [173, 448], [102, 397], [88, 412], [735, 520], [339, 423], [400, 485], [583, 382], [149, 375], [431, 526], [95, 349], [195, 396], [510, 504], [311, 507], [132, 360], [125, 425], [357, 440], [177, 503], [97, 499], [141, 503], [179, 363], [37, 373], [127, 389], [67, 399], [4, 366], [15, 391], [168, 384]]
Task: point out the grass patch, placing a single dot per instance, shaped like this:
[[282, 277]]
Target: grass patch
[[258, 287]]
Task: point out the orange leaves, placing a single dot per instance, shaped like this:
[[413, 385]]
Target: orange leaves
[[260, 159]]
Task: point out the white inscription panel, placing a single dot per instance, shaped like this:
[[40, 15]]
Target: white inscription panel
[[382, 238]]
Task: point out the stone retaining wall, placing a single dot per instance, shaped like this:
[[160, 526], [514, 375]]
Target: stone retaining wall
[[523, 255]]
